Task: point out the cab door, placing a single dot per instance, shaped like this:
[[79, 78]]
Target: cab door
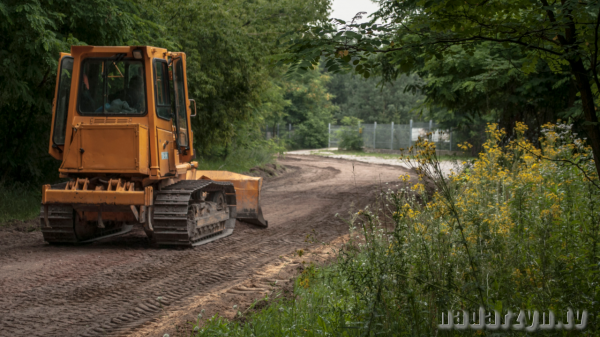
[[165, 133], [60, 105], [182, 108]]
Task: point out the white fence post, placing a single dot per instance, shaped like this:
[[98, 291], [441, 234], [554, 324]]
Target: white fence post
[[392, 138], [290, 131], [329, 136], [410, 134], [362, 135], [375, 135], [431, 127]]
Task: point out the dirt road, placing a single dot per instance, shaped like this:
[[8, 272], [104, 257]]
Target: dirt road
[[112, 287]]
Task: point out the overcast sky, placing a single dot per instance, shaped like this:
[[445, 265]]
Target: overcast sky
[[347, 9]]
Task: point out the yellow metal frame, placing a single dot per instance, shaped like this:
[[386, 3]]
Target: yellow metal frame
[[95, 197], [89, 197]]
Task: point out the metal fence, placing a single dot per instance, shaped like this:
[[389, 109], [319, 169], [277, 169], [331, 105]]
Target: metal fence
[[376, 136], [280, 130], [394, 136]]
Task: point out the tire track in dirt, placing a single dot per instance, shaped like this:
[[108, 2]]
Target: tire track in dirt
[[112, 287]]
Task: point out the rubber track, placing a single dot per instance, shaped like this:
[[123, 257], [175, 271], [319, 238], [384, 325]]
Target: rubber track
[[171, 207], [62, 227]]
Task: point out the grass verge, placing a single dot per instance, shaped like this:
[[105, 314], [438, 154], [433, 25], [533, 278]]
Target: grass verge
[[308, 312], [18, 203], [240, 160]]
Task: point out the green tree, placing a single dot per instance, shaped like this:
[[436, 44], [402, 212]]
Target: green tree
[[32, 33], [371, 102], [311, 108], [465, 92], [228, 45]]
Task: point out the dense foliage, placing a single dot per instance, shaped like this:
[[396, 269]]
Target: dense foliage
[[350, 135], [517, 230], [228, 44], [370, 101], [467, 91], [310, 109], [32, 33]]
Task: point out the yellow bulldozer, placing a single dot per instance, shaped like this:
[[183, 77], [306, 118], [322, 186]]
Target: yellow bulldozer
[[121, 125]]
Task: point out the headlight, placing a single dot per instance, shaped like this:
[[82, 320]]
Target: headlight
[[137, 54]]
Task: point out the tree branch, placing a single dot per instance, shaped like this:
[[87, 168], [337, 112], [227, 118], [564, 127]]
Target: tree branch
[[595, 56], [462, 41]]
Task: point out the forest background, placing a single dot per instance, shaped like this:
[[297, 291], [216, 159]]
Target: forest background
[[232, 48]]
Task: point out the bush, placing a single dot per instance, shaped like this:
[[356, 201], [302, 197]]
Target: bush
[[19, 203], [350, 134], [350, 139], [312, 133], [241, 159]]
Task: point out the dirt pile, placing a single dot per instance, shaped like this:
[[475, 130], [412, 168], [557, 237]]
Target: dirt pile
[[267, 171]]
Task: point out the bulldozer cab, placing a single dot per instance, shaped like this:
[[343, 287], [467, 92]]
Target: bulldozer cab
[[121, 110]]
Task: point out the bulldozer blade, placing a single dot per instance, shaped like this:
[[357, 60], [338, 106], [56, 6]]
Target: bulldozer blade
[[247, 194], [254, 217]]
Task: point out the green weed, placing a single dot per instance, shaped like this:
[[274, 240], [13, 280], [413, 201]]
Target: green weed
[[241, 159], [19, 203], [316, 309]]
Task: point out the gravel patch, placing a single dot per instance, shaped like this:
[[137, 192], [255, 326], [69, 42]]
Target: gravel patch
[[447, 166]]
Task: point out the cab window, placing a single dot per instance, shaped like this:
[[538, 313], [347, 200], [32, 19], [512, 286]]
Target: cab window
[[161, 88], [111, 87], [62, 100], [180, 104]]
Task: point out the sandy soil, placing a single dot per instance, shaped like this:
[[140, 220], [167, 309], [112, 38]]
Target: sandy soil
[[112, 287], [447, 166]]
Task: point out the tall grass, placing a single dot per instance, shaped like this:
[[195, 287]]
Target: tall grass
[[18, 203], [242, 159], [517, 230], [309, 313]]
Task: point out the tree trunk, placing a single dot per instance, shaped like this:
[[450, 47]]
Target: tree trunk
[[589, 109]]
